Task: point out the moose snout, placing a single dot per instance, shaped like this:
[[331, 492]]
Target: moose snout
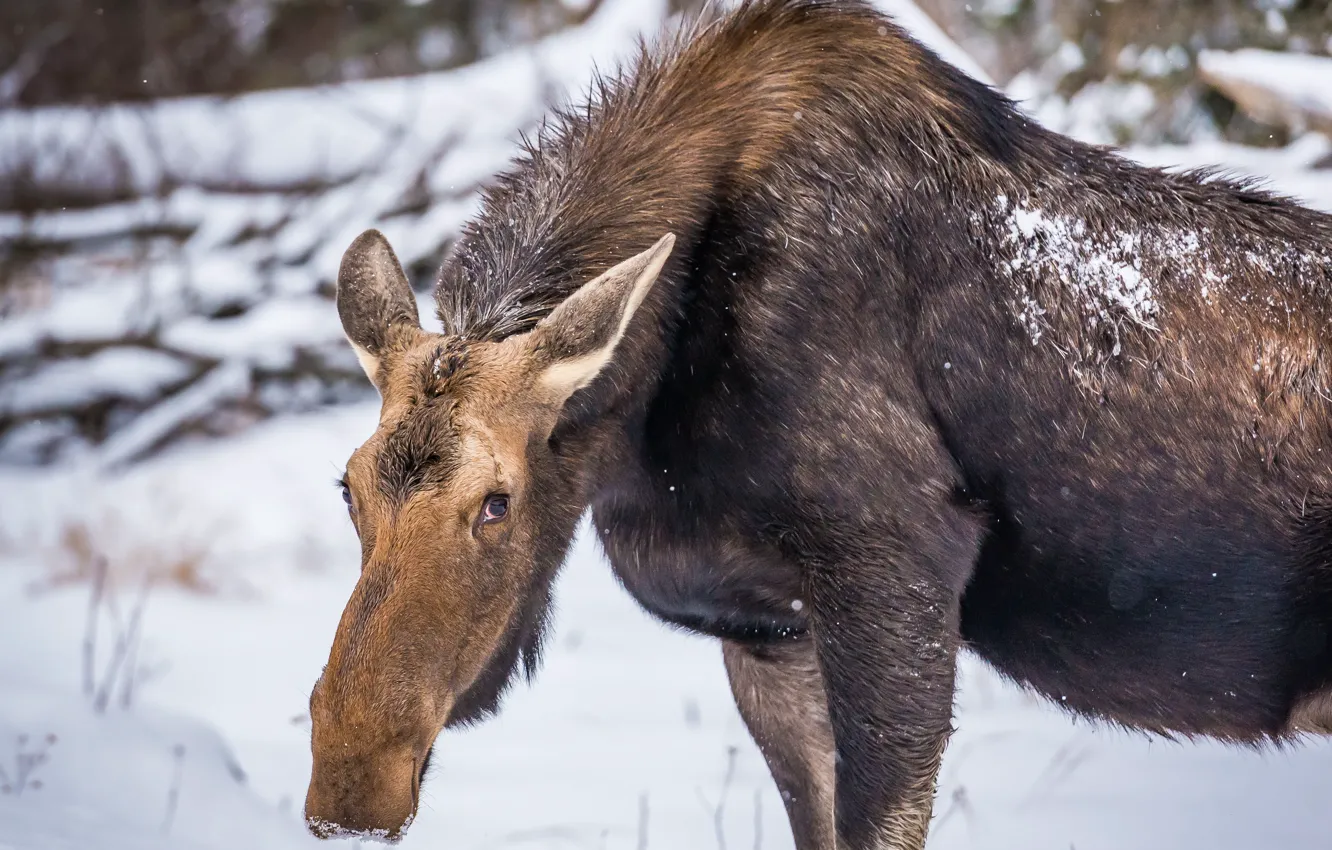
[[375, 712], [368, 796]]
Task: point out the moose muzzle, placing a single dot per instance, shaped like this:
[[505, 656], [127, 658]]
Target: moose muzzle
[[363, 793]]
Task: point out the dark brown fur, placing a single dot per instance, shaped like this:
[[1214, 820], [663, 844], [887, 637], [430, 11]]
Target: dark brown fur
[[917, 376]]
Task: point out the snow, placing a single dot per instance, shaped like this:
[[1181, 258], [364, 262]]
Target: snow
[[1103, 275], [1109, 278], [1095, 114], [269, 335], [121, 372], [102, 313], [623, 710], [227, 381], [1301, 82], [628, 736], [127, 780], [284, 138]]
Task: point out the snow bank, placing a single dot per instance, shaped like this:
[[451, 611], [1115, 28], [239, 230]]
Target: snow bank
[[1285, 89], [288, 139], [218, 229], [145, 779], [117, 372]]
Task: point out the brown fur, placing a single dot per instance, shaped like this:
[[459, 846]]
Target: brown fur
[[1313, 715]]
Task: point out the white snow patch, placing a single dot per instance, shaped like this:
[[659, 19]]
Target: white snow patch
[[1104, 276], [219, 279], [1112, 278], [92, 314], [124, 372], [226, 381], [328, 829], [283, 137], [29, 441], [145, 779]]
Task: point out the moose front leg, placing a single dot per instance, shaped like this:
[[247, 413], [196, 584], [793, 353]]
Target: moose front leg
[[779, 692], [885, 621]]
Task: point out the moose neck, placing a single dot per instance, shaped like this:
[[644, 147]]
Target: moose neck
[[669, 144], [676, 145], [659, 150]]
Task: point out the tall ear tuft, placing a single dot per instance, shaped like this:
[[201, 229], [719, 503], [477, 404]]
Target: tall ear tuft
[[580, 336], [373, 295]]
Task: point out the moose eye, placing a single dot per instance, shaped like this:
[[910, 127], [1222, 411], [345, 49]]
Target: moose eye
[[346, 492], [495, 509]]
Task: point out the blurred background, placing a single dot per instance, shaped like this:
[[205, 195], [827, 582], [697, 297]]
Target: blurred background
[[178, 179]]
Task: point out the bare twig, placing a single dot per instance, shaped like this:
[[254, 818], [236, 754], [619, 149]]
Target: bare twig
[[758, 819], [132, 668], [719, 810], [718, 817], [173, 793], [26, 764], [90, 630], [125, 648], [1066, 761], [958, 803], [643, 821]]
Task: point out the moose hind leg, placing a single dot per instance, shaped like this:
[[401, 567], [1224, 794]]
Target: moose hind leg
[[779, 692]]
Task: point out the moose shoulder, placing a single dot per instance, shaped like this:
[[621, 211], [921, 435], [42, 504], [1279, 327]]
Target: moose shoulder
[[855, 367]]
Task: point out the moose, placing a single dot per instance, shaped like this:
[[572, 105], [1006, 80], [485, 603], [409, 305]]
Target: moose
[[854, 367]]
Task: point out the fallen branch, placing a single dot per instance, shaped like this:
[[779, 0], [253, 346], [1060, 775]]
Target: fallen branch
[[1281, 89], [224, 382]]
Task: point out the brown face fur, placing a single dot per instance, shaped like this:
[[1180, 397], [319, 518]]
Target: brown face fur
[[463, 515], [432, 598]]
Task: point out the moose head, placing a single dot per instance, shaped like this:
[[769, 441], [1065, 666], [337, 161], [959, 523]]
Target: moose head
[[464, 509]]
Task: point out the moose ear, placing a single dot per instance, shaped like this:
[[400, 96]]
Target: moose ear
[[579, 337], [373, 295]]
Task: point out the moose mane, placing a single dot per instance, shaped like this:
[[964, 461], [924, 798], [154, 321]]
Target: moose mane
[[688, 125]]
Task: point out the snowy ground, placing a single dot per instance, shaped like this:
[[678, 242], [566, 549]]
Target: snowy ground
[[628, 740], [627, 732]]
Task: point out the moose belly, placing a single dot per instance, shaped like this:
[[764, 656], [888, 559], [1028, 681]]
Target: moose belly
[[724, 588], [1188, 634]]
